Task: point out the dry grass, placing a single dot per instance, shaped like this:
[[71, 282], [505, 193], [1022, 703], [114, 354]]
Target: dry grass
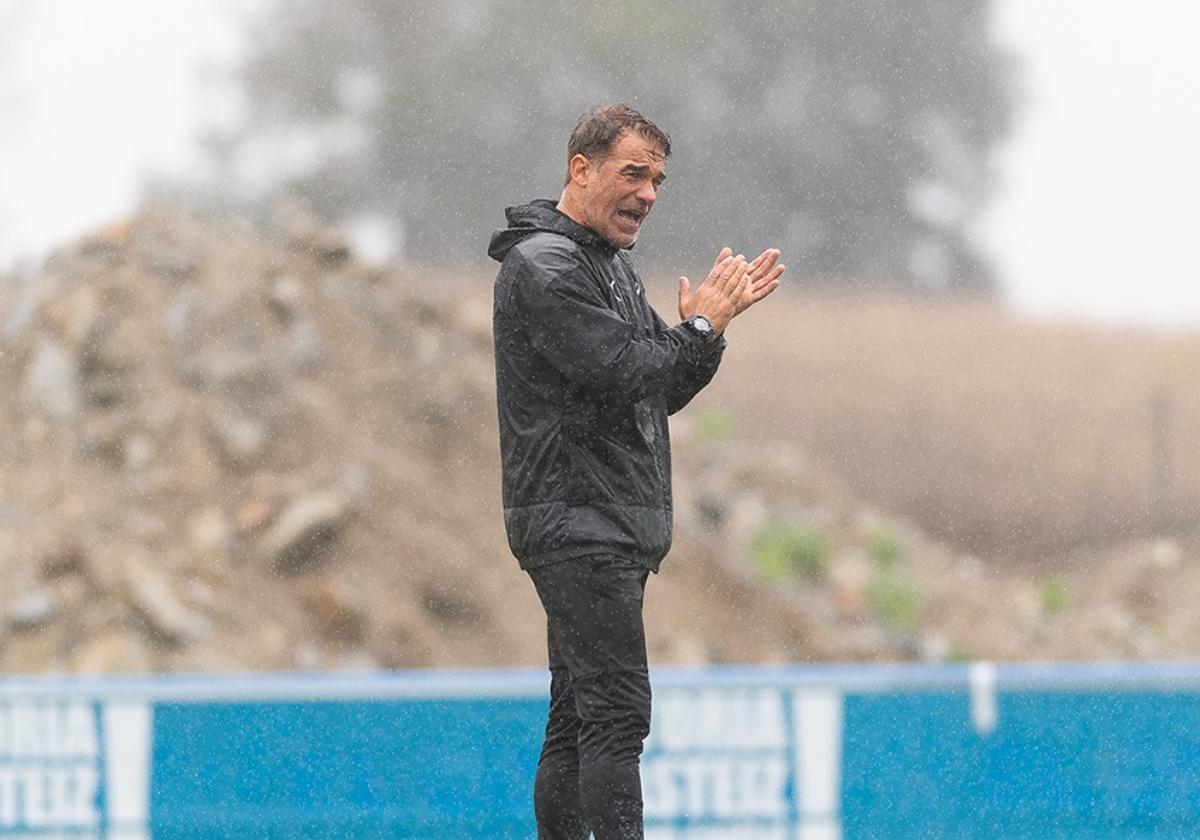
[[1008, 438]]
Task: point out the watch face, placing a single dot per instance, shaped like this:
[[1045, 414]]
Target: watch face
[[702, 324]]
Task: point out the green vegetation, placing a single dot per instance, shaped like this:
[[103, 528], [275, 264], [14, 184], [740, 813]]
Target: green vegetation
[[781, 549], [715, 425], [894, 599], [1054, 595], [891, 595], [959, 654], [885, 548]]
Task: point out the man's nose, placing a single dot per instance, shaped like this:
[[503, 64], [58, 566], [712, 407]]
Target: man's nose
[[646, 194]]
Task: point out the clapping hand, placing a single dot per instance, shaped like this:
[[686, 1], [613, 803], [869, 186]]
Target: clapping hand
[[718, 297], [762, 279]]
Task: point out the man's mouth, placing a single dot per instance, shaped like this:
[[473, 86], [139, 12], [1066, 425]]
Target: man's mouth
[[633, 216]]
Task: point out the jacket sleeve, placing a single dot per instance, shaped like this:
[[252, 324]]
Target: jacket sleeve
[[690, 375], [570, 323]]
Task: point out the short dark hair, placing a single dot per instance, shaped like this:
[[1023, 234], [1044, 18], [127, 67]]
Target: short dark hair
[[598, 130]]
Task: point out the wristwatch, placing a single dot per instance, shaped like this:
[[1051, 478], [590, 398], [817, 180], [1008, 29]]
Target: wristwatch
[[700, 326]]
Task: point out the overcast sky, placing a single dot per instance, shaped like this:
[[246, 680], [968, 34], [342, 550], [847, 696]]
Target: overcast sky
[[1093, 216], [1095, 211]]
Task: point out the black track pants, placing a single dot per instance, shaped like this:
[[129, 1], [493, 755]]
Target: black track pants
[[588, 776]]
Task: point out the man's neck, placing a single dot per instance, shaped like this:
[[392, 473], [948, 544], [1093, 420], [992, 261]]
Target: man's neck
[[571, 210]]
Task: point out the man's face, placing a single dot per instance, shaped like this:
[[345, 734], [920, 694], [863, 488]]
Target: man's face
[[622, 187]]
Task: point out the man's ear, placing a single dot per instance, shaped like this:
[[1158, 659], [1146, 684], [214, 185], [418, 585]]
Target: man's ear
[[580, 169]]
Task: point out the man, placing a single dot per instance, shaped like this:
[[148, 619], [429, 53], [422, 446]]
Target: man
[[586, 374]]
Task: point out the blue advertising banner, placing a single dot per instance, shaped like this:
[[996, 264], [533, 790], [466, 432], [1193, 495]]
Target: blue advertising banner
[[780, 754]]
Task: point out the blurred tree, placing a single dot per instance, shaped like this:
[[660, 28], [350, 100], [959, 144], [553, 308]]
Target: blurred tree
[[853, 134]]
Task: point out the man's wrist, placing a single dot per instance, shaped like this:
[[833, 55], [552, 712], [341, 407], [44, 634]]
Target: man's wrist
[[700, 327]]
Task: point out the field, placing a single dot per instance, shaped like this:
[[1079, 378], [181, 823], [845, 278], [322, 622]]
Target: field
[[1011, 439]]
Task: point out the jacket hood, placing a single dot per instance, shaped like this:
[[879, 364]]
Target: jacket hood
[[538, 216]]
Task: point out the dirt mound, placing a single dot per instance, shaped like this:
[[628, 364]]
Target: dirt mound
[[223, 452]]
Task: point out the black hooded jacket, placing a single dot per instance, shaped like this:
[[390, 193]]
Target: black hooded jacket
[[586, 374]]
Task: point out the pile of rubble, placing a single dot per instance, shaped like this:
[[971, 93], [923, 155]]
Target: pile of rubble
[[220, 452]]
